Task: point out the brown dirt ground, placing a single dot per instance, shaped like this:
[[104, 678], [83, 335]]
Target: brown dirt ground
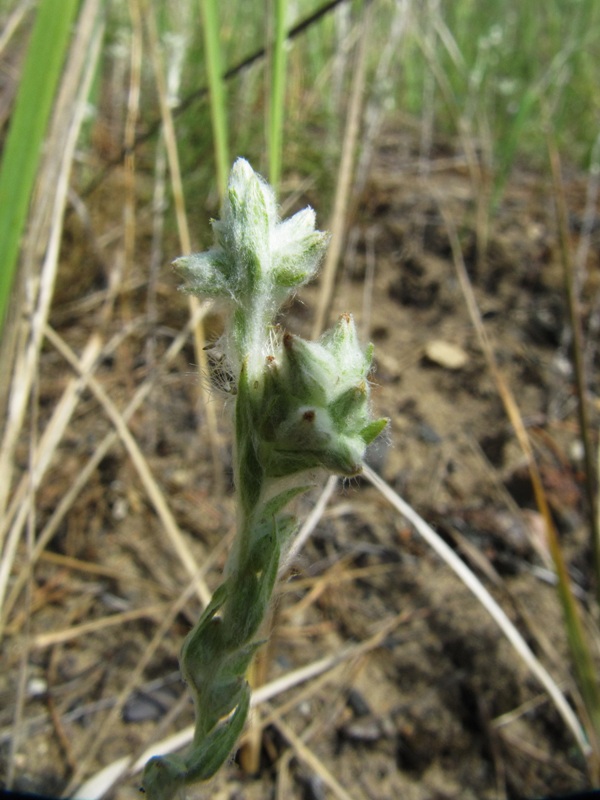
[[443, 708]]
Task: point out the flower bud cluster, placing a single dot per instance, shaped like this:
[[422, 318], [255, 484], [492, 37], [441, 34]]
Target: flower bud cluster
[[314, 411], [256, 263]]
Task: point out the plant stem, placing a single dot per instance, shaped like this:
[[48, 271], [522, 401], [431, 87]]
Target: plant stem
[[577, 348], [218, 105]]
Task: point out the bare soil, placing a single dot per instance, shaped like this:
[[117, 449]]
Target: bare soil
[[442, 707]]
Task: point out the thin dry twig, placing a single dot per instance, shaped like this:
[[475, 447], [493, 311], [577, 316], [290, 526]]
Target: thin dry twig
[[310, 523], [305, 754], [342, 192]]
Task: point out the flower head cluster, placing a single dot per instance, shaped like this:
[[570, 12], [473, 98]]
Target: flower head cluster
[[315, 407], [256, 263]]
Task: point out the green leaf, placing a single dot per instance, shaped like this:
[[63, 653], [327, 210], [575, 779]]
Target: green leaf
[[163, 777], [349, 411], [371, 431], [204, 760], [218, 100], [277, 95], [23, 147]]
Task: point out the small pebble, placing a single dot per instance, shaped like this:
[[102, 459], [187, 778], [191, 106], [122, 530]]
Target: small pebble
[[358, 704], [446, 355], [36, 687], [576, 450]]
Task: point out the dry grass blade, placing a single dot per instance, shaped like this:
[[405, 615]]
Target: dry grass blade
[[305, 754], [577, 350], [284, 777], [45, 231], [45, 228], [184, 237], [478, 172], [374, 112], [310, 523], [42, 247], [131, 121], [151, 486], [89, 468], [587, 681], [44, 640], [87, 567], [491, 606], [67, 123], [21, 687], [16, 515], [13, 22], [22, 150]]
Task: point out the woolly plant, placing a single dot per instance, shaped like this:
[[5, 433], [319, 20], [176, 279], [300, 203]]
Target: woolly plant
[[299, 406]]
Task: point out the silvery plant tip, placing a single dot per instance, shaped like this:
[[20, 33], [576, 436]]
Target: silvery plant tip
[[256, 262]]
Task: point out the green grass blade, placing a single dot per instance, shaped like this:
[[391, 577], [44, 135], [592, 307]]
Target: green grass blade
[[218, 106], [277, 98], [22, 152]]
